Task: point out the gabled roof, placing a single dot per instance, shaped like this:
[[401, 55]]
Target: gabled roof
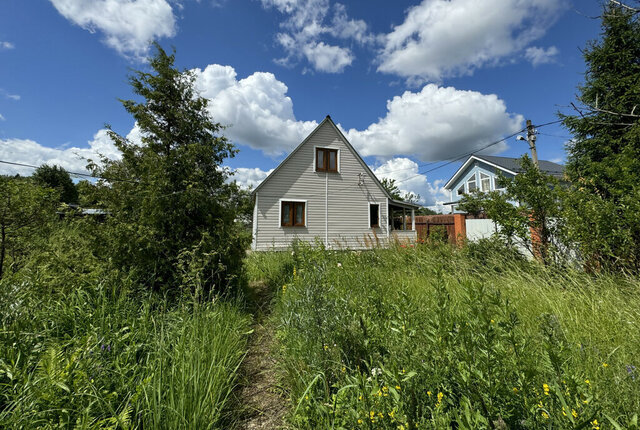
[[346, 142], [506, 164]]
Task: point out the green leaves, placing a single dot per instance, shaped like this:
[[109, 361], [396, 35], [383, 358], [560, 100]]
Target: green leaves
[[170, 195], [602, 209]]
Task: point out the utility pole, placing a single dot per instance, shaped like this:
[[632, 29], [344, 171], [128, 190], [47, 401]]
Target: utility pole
[[531, 138]]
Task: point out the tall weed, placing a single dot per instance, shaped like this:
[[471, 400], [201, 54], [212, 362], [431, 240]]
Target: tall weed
[[430, 337]]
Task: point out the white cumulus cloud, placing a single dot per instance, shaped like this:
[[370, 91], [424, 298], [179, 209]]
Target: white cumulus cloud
[[437, 123], [406, 173], [307, 26], [256, 109], [444, 38], [537, 55], [128, 26], [6, 45], [249, 177], [73, 159]]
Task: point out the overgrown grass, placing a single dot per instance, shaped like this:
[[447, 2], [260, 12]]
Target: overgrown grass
[[434, 337], [83, 347]]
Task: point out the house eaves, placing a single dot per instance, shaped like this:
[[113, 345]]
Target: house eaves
[[466, 164]]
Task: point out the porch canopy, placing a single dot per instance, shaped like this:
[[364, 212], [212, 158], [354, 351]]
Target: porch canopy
[[398, 212]]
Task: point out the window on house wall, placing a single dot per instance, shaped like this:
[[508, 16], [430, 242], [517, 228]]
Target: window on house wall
[[374, 215], [460, 190], [326, 160], [471, 184], [292, 214], [485, 182]]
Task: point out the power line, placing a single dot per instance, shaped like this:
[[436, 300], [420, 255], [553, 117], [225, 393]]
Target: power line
[[85, 175]]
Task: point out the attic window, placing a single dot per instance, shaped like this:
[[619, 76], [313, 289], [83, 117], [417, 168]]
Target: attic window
[[292, 214], [471, 184], [460, 190], [485, 182], [326, 160]]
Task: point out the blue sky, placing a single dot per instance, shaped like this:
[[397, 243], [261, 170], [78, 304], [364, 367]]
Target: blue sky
[[411, 83]]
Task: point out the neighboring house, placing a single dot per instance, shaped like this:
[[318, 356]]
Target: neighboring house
[[324, 191], [481, 172]]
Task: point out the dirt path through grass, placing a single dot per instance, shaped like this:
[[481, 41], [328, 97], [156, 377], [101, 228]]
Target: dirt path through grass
[[260, 397]]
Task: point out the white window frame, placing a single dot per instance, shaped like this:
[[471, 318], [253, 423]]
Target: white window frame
[[472, 178], [316, 147], [464, 190], [369, 214], [306, 211], [487, 177]]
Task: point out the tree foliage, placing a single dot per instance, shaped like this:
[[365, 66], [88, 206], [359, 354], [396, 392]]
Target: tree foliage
[[59, 179], [538, 197], [391, 187], [25, 210], [168, 196], [603, 208]]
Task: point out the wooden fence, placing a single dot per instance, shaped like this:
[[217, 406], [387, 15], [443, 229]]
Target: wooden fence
[[452, 226]]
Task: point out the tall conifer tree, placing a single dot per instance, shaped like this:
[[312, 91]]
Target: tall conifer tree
[[604, 155], [169, 201]]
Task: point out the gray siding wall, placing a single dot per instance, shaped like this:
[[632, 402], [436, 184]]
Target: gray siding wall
[[347, 210]]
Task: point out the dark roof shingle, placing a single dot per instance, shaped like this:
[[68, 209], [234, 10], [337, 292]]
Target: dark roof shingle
[[513, 164]]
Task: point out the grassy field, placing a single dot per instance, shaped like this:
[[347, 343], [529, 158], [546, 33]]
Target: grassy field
[[435, 337], [81, 347]]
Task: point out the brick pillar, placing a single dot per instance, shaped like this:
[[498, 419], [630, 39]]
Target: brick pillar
[[536, 240], [460, 228]]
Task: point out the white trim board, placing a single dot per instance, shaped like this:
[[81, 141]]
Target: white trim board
[[466, 164]]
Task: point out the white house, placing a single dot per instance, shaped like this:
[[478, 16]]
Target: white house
[[324, 191]]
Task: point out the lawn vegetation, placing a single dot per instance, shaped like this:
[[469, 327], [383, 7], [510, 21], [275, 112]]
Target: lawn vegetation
[[439, 337], [81, 346]]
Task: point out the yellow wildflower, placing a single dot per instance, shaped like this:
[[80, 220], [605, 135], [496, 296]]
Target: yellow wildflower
[[540, 405], [545, 387], [574, 413], [326, 347], [344, 369], [515, 390], [403, 372], [545, 415], [563, 412], [392, 414], [595, 425], [359, 421], [372, 414], [380, 414], [586, 381], [605, 365], [492, 321], [429, 393], [398, 387], [284, 288], [440, 396]]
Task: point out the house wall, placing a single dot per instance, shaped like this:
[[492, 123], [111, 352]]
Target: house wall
[[473, 170], [333, 200]]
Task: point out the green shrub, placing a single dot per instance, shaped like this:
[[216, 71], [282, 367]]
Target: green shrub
[[83, 346]]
